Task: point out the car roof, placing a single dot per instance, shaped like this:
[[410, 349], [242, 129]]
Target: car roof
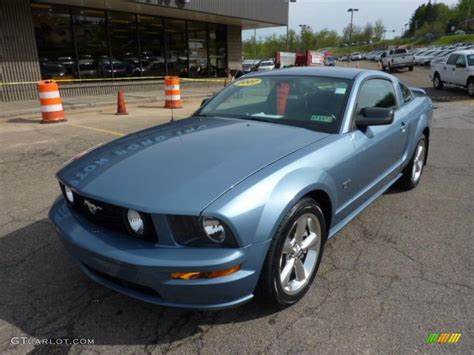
[[342, 73], [466, 52]]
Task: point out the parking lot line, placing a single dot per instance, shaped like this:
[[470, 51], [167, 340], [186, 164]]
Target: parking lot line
[[101, 130]]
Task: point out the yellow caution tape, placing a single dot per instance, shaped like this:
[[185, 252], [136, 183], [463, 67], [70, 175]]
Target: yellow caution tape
[[213, 80]]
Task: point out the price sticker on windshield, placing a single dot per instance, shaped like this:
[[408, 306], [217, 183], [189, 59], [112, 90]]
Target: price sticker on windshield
[[248, 82]]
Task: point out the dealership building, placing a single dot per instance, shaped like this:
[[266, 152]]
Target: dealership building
[[101, 46]]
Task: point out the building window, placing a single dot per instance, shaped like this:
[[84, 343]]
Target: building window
[[91, 43], [124, 44], [217, 49], [54, 40], [85, 43], [152, 47], [176, 47], [197, 43]]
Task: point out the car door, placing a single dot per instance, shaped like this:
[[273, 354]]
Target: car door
[[378, 149], [460, 72], [449, 68]]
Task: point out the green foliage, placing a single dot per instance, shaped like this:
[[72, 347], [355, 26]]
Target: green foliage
[[427, 24]]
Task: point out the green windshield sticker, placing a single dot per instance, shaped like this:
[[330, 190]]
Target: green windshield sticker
[[340, 91], [322, 119]]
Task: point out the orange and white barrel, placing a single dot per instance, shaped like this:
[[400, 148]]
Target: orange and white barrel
[[172, 92], [51, 103]]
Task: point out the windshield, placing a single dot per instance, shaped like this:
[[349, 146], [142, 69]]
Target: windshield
[[316, 103], [266, 64], [470, 60]]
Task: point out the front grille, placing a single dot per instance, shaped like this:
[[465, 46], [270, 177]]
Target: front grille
[[110, 216]]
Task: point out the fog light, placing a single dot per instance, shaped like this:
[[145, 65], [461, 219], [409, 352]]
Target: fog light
[[192, 275], [69, 194], [135, 221]]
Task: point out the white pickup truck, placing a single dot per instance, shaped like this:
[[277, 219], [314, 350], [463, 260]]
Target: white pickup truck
[[458, 70], [397, 59]]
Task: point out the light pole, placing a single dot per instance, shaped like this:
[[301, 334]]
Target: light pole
[[385, 31], [255, 42], [351, 10], [406, 28]]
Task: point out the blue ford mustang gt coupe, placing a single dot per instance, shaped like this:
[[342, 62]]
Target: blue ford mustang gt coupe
[[239, 199]]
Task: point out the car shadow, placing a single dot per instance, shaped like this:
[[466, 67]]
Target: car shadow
[[46, 296]]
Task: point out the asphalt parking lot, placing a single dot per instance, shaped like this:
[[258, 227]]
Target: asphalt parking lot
[[401, 270]]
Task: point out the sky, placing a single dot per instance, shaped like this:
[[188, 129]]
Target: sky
[[333, 14]]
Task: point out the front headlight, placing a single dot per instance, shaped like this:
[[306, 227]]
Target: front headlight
[[69, 194], [214, 230], [201, 232], [135, 222]]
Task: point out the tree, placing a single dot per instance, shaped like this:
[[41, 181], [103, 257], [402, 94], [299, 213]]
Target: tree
[[379, 29]]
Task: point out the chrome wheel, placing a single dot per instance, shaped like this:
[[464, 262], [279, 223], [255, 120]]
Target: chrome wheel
[[418, 161], [300, 253]]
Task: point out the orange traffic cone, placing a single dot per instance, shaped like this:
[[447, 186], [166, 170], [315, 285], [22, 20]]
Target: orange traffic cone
[[121, 108]]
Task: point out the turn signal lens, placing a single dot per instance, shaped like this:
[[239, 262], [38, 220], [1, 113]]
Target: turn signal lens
[[192, 275]]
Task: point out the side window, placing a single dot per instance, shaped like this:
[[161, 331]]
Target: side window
[[406, 93], [376, 93], [461, 61], [452, 59]]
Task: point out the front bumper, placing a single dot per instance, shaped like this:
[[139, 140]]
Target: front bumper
[[142, 270]]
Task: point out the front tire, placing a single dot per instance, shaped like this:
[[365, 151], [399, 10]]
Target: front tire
[[412, 173], [470, 87], [437, 83], [294, 256]]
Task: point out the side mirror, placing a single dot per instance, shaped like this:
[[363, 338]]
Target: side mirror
[[374, 116], [460, 65], [205, 101]]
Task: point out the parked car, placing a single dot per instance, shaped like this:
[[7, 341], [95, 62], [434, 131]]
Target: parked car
[[378, 56], [343, 58], [265, 65], [356, 56], [397, 59], [87, 68], [426, 58], [239, 199], [458, 70], [52, 70], [329, 61], [106, 67]]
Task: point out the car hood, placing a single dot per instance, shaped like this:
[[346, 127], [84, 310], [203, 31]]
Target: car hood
[[181, 167]]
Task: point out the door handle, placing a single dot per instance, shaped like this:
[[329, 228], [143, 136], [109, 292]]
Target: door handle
[[403, 126]]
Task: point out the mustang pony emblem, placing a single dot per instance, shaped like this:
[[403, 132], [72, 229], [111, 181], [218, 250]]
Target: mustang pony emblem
[[92, 208]]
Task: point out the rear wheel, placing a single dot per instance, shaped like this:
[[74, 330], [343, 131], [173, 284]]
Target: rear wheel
[[437, 83], [294, 255], [470, 87], [410, 68], [413, 171]]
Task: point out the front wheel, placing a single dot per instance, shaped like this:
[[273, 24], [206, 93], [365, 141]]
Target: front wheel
[[294, 255], [413, 171], [437, 83], [470, 87]]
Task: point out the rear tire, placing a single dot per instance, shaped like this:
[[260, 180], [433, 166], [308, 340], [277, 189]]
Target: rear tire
[[437, 83], [293, 257], [412, 173], [410, 68]]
